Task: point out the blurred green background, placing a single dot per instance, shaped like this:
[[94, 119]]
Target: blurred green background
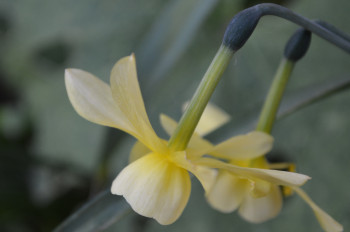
[[52, 161]]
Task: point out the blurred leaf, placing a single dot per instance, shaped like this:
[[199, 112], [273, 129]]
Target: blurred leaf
[[4, 25], [290, 104], [38, 45], [312, 95], [8, 95], [56, 53], [170, 36], [96, 215]]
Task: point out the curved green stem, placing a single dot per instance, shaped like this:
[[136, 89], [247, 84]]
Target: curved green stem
[[243, 24], [321, 30], [190, 118]]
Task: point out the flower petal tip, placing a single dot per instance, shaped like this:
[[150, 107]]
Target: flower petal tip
[[306, 179], [303, 179], [114, 189], [68, 72]]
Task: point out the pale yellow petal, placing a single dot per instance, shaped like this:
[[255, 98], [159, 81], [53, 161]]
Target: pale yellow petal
[[154, 187], [169, 125], [206, 176], [92, 99], [227, 192], [138, 151], [257, 210], [273, 176], [242, 147], [127, 95], [197, 145], [326, 221], [212, 118]]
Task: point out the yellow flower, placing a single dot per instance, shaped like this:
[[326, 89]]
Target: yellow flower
[[245, 179], [258, 200], [156, 183], [230, 192]]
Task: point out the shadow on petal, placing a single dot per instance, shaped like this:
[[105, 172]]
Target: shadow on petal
[[227, 192], [257, 210]]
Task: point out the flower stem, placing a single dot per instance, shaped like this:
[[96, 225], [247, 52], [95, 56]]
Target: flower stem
[[250, 17], [190, 118], [274, 97], [323, 32]]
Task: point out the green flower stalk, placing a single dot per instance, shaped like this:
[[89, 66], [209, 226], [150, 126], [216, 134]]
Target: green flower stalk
[[295, 49], [190, 119], [237, 33], [274, 97]]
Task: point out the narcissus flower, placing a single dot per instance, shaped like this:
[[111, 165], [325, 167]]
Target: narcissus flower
[[258, 200], [157, 182], [230, 192], [258, 197]]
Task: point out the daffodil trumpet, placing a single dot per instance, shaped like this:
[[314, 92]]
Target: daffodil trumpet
[[157, 181]]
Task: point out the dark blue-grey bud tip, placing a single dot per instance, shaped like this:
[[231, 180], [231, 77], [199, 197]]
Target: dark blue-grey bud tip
[[241, 27], [297, 45]]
